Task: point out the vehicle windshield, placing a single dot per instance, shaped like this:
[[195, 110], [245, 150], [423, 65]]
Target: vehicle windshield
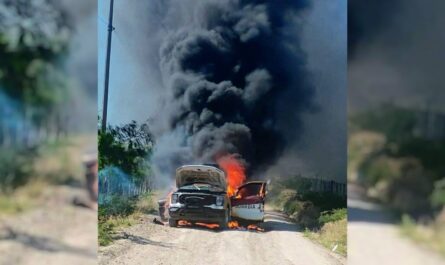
[[201, 187]]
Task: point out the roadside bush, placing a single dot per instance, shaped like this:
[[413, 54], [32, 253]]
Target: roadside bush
[[291, 207], [401, 183], [377, 168], [308, 215], [127, 148], [332, 216], [429, 152], [438, 195], [361, 146], [332, 235], [55, 162], [409, 191], [325, 201], [118, 206], [60, 162], [303, 205], [283, 197], [293, 196], [119, 211], [105, 231], [146, 204], [16, 168]]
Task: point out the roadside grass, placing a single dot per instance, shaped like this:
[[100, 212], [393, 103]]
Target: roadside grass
[[9, 205], [109, 226], [26, 174], [121, 212], [323, 216], [430, 235], [332, 235], [60, 162], [21, 199]]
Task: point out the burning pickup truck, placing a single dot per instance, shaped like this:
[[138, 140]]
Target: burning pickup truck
[[202, 196]]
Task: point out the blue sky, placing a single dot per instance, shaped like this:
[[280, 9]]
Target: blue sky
[[127, 100]]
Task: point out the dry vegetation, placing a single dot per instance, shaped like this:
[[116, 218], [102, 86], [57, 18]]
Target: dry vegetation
[[54, 164], [430, 235], [332, 235], [322, 215], [401, 168], [123, 212]]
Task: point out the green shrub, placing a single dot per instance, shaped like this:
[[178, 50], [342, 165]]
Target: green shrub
[[118, 206], [126, 147], [332, 235], [332, 216], [120, 211], [292, 207], [106, 232], [308, 215], [279, 199], [325, 201], [146, 204], [376, 168], [16, 168], [438, 195]]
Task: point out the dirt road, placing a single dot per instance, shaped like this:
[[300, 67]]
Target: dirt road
[[374, 238], [54, 233], [281, 244]]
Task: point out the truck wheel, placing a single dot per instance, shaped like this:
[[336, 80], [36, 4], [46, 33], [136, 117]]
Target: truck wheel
[[172, 222], [223, 223]]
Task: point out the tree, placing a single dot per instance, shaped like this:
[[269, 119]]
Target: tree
[[127, 147], [34, 40]]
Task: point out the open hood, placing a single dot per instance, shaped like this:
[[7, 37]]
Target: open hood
[[200, 174]]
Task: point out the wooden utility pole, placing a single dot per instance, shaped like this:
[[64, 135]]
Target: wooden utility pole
[[107, 67]]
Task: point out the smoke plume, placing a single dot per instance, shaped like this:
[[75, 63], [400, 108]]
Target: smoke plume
[[234, 81], [263, 79], [81, 63]]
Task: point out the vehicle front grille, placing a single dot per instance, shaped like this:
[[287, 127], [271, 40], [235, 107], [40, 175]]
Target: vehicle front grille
[[197, 200]]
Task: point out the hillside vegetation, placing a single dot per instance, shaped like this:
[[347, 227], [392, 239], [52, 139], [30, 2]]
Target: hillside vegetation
[[397, 154], [322, 215]]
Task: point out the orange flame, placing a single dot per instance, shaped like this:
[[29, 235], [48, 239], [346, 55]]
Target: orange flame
[[235, 171], [187, 223], [237, 226], [255, 227], [233, 224], [211, 226], [184, 223]]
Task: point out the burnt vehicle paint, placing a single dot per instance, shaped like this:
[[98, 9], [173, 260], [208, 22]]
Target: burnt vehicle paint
[[248, 202], [201, 196]]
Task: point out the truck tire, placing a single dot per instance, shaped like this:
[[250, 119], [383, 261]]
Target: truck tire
[[223, 223], [172, 222]]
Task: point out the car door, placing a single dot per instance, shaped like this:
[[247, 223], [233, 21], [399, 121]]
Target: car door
[[248, 201]]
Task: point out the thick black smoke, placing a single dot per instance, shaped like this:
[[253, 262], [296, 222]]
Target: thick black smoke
[[396, 54], [367, 20], [235, 81]]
